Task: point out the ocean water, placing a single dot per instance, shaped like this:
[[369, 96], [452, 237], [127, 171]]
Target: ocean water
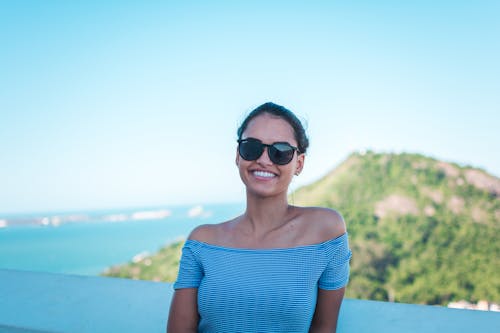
[[89, 247]]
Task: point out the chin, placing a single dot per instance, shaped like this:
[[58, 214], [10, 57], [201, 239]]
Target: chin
[[265, 193]]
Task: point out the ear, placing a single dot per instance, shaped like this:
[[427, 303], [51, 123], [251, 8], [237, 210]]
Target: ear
[[237, 159], [300, 163]]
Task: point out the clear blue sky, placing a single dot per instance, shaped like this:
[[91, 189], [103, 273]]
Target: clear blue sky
[[108, 104]]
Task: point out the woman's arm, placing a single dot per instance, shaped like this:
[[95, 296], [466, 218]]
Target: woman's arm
[[327, 311], [183, 316]]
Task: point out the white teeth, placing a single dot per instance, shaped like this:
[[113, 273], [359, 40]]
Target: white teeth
[[264, 174]]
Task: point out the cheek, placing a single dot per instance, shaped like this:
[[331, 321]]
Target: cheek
[[240, 164]]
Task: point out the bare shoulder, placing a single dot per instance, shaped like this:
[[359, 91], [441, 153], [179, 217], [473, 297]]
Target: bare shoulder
[[325, 223], [210, 233], [204, 233]]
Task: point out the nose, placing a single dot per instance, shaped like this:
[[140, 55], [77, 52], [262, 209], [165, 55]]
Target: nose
[[264, 158]]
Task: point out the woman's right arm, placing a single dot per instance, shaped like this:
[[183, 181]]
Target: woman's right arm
[[183, 316]]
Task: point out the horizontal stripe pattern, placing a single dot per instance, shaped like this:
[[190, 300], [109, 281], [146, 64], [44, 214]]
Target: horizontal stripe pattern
[[261, 290]]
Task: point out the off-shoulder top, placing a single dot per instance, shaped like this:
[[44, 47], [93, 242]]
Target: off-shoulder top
[[261, 290]]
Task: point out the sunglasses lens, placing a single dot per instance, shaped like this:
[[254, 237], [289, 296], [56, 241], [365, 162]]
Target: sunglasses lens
[[250, 150], [281, 153]]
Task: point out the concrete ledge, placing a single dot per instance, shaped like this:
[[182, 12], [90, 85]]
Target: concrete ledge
[[66, 303], [43, 302]]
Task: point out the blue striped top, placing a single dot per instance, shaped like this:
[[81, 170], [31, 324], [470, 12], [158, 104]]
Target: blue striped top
[[261, 290]]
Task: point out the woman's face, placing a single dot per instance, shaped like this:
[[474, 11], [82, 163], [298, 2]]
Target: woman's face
[[263, 177]]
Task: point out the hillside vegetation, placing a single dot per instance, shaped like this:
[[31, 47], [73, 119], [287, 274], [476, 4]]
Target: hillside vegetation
[[421, 230], [162, 266]]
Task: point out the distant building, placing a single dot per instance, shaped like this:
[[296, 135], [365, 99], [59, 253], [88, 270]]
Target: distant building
[[481, 305]]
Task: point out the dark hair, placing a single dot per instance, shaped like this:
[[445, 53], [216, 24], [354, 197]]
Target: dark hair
[[283, 113]]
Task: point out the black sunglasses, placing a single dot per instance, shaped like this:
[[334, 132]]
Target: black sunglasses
[[280, 153]]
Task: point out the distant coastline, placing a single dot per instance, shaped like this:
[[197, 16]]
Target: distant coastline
[[56, 219], [86, 243]]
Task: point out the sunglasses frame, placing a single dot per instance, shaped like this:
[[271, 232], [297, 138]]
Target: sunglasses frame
[[268, 146]]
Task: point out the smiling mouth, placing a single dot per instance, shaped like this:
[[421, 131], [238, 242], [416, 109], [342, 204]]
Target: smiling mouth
[[263, 174]]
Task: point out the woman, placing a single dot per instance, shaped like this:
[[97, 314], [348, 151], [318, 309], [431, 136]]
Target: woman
[[275, 268]]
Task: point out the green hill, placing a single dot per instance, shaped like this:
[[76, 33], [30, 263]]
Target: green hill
[[421, 230], [161, 266]]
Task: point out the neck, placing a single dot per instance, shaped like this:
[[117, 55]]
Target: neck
[[265, 214]]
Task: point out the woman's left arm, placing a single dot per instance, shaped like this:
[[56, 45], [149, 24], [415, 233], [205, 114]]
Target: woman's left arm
[[327, 311]]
